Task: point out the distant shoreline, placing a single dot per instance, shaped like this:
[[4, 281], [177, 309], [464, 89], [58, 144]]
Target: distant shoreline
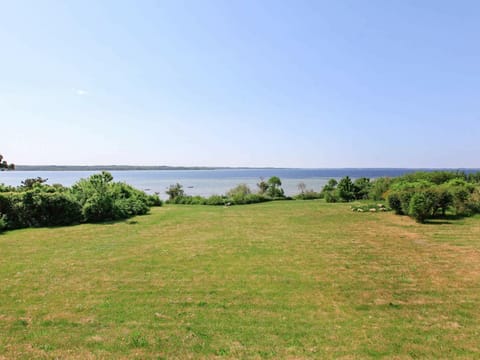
[[165, 167], [120, 167]]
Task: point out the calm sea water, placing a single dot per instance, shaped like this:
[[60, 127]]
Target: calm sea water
[[207, 182]]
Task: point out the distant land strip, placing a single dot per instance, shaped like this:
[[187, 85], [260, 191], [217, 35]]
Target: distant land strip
[[117, 167], [166, 167]]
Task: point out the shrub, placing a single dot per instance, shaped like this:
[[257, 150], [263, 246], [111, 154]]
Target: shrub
[[175, 191], [473, 203], [3, 223], [308, 195], [98, 207], [241, 190], [262, 186], [379, 188], [346, 189], [197, 200], [395, 203], [274, 188], [102, 199], [124, 208], [444, 199], [238, 195], [36, 208], [421, 206], [331, 197], [460, 195], [361, 188], [215, 200], [405, 197], [6, 188], [33, 182], [255, 198], [154, 200]]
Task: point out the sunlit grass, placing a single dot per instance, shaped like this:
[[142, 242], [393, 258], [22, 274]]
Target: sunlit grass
[[297, 279]]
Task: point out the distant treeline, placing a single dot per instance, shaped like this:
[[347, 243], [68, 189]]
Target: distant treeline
[[95, 199]]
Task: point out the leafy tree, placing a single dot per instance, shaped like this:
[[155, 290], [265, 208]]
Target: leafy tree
[[240, 190], [262, 187], [346, 189], [31, 183], [329, 191], [379, 188], [4, 165], [362, 188], [444, 200], [421, 206], [239, 194], [175, 191], [331, 185], [274, 187], [395, 203]]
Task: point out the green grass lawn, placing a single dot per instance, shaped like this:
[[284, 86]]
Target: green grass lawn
[[293, 279]]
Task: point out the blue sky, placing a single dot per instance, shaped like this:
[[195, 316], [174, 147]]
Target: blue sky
[[241, 83]]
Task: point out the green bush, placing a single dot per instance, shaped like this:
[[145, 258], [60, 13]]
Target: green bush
[[257, 198], [346, 189], [215, 200], [154, 200], [274, 190], [175, 191], [241, 190], [6, 188], [36, 208], [444, 199], [473, 202], [95, 199], [405, 197], [3, 223], [395, 203], [308, 195], [102, 199], [331, 196], [421, 206], [379, 188], [361, 188]]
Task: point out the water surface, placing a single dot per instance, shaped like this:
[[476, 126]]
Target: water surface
[[207, 182]]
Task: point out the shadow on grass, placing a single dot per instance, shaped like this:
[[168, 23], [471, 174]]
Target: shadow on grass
[[445, 219], [115, 222], [53, 227]]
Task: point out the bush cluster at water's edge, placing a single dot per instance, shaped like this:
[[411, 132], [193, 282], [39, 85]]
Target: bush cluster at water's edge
[[95, 199], [420, 195], [240, 195]]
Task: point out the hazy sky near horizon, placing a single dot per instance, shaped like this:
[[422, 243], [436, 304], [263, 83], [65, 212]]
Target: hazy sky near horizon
[[241, 83]]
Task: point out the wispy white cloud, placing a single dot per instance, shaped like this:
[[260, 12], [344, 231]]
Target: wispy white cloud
[[81, 92]]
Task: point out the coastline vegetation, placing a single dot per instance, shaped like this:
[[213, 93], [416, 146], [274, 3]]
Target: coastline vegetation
[[269, 190], [420, 195], [4, 165], [95, 199]]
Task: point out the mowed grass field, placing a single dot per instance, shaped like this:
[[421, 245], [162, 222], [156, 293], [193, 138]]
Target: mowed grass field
[[297, 279]]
